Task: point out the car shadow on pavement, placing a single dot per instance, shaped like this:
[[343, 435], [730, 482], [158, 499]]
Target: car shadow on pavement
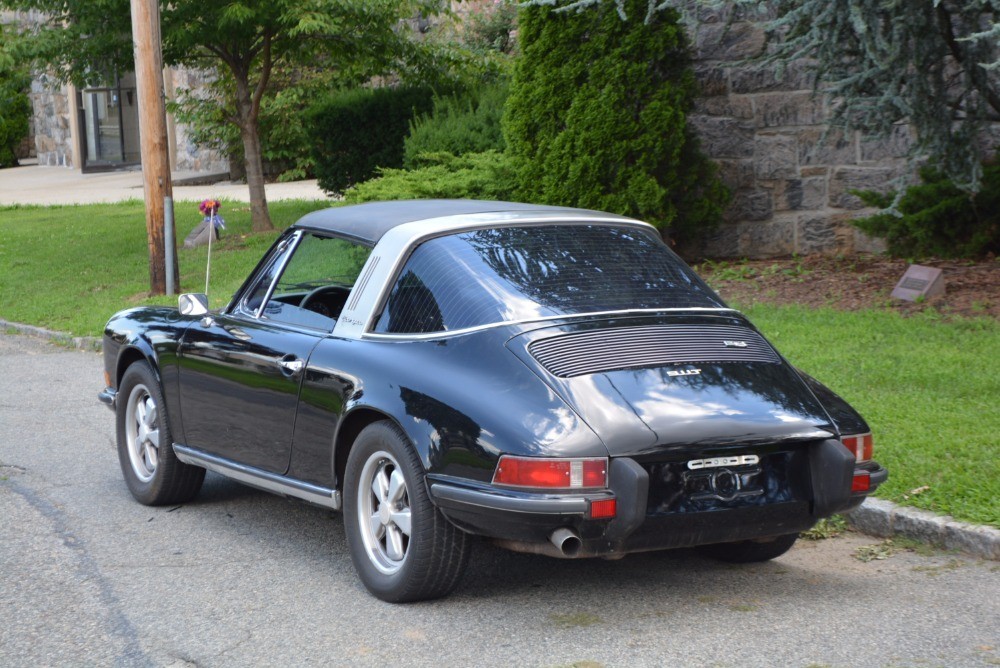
[[263, 522]]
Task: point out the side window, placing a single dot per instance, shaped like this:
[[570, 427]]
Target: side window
[[315, 282], [256, 297]]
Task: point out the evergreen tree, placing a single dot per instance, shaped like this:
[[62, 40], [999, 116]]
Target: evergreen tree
[[932, 63], [927, 62], [597, 117]]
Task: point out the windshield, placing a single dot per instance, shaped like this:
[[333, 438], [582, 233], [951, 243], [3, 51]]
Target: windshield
[[510, 274]]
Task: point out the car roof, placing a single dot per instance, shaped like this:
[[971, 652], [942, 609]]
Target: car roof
[[369, 222]]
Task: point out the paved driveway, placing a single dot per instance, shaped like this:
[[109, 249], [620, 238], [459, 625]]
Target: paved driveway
[[89, 577], [59, 185]]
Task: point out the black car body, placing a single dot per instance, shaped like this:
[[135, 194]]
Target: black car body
[[551, 378]]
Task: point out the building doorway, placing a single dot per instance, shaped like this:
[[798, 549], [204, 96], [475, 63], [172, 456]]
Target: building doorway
[[109, 125]]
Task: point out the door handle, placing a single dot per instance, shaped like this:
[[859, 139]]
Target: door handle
[[291, 365]]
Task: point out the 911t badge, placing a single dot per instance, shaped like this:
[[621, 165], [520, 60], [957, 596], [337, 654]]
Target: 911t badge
[[684, 372]]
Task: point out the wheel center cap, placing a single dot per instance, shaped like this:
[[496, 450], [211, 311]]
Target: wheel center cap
[[384, 515]]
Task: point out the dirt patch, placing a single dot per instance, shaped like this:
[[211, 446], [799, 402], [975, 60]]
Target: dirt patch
[[972, 289]]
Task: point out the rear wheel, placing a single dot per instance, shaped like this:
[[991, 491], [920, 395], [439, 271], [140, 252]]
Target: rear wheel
[[750, 551], [152, 472], [402, 547]]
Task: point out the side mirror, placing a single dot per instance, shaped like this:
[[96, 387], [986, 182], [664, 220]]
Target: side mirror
[[193, 303]]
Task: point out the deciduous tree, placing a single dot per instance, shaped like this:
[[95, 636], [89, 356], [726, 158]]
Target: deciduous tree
[[243, 40]]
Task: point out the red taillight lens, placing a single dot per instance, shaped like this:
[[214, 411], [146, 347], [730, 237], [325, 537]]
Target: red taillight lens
[[547, 473], [860, 446]]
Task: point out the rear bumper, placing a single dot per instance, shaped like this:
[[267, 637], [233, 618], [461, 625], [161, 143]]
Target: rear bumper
[[526, 521], [876, 475]]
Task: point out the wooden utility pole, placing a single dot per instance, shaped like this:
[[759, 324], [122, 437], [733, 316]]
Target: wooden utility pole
[[153, 138]]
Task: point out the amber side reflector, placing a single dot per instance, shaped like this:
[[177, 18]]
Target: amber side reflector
[[862, 482], [107, 379], [603, 509]]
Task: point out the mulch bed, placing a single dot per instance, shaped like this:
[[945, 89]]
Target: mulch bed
[[972, 289]]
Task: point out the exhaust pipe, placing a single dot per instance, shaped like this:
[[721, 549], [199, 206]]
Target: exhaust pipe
[[566, 541]]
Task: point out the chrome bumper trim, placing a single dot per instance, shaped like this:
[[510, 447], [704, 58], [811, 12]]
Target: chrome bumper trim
[[449, 496], [107, 396]]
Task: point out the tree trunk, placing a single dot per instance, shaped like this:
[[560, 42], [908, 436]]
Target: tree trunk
[[260, 217]]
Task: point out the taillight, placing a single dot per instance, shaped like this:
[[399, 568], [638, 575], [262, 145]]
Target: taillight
[[860, 446], [547, 473]]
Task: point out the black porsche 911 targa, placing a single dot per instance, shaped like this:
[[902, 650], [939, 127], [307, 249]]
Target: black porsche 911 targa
[[554, 379]]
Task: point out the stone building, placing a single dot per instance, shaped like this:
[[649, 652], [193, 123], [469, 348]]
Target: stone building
[[97, 129]]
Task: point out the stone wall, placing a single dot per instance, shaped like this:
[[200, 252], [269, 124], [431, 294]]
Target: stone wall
[[189, 156], [49, 134], [51, 122], [790, 181]]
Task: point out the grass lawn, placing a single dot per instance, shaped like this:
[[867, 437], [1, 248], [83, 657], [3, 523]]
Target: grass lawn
[[930, 387], [68, 268]]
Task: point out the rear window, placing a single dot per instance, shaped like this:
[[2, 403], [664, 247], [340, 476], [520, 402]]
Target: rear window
[[484, 277]]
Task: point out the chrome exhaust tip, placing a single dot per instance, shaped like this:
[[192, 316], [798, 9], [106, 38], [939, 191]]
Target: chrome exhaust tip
[[566, 541]]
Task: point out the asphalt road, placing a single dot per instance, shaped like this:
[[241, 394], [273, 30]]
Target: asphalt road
[[238, 578]]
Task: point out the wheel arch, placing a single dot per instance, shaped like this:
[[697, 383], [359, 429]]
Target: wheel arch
[[347, 433], [132, 353]]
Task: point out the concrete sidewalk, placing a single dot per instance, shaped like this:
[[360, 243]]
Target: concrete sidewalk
[[60, 185]]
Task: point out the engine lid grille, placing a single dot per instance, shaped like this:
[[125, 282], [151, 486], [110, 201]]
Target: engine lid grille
[[597, 351]]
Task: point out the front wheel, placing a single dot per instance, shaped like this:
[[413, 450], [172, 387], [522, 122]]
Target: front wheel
[[751, 551], [402, 547], [151, 470]]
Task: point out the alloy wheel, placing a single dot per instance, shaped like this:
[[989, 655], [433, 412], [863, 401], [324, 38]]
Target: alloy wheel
[[384, 512], [142, 432]]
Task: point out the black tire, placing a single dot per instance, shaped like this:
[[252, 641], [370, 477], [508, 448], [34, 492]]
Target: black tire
[[751, 551], [152, 472], [395, 565]]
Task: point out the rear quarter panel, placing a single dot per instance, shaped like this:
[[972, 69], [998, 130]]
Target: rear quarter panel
[[462, 401]]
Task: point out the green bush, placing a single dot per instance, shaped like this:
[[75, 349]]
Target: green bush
[[15, 111], [15, 107], [356, 131], [472, 176], [937, 218], [458, 124], [597, 116]]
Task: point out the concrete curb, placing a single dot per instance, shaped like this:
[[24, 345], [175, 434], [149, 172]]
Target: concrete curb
[[89, 343], [885, 519]]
